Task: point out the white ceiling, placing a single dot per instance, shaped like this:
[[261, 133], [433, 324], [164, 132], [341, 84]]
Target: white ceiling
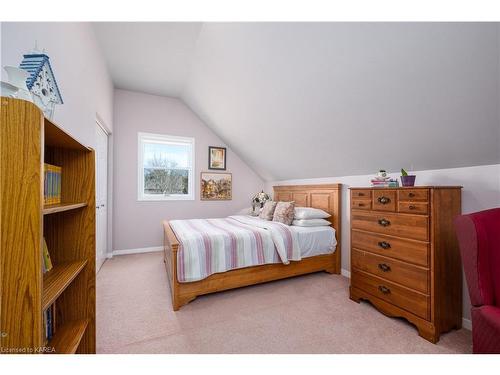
[[148, 57], [300, 100]]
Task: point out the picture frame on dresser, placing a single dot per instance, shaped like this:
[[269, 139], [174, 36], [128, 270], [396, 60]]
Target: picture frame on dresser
[[404, 255]]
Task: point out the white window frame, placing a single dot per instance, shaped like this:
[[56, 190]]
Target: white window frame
[[163, 138]]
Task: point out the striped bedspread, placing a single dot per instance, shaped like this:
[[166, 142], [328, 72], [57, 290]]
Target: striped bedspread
[[208, 246]]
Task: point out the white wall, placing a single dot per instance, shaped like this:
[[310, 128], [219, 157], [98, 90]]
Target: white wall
[[80, 71], [138, 224], [481, 190], [79, 67], [359, 93]]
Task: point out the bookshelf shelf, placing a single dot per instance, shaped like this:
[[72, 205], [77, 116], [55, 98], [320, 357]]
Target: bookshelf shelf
[[58, 279], [54, 208], [29, 141], [68, 337]]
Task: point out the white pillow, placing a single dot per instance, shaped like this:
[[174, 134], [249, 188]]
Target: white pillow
[[310, 213], [311, 223]]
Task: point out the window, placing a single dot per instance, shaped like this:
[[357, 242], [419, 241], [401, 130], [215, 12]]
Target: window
[[166, 165]]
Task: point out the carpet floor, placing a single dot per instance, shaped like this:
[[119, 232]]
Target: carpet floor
[[306, 314]]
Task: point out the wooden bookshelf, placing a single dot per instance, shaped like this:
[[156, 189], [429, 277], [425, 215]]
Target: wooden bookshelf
[[58, 279], [67, 338], [53, 208], [28, 140]]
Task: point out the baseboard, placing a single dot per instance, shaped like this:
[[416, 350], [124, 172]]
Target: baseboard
[[466, 323], [138, 251], [345, 273]]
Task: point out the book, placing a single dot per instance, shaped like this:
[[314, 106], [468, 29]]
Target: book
[[52, 184], [387, 183], [49, 321], [47, 262]]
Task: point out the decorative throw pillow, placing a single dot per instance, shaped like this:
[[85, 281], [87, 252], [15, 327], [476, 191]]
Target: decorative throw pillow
[[284, 212], [268, 210]]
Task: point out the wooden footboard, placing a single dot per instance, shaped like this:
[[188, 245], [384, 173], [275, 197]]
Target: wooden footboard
[[183, 293], [326, 197]]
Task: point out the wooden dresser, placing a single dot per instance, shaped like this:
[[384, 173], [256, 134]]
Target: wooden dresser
[[404, 255]]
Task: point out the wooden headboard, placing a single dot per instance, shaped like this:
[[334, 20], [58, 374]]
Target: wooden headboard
[[323, 196]]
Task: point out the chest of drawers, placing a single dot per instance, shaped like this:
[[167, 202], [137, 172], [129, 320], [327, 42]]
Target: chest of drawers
[[404, 255]]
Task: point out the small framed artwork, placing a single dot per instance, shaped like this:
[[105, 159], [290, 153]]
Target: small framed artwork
[[216, 186], [217, 158]]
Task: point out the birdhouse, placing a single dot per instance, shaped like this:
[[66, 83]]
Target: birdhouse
[[41, 82]]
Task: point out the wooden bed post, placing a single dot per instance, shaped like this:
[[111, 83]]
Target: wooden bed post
[[336, 222], [170, 248]]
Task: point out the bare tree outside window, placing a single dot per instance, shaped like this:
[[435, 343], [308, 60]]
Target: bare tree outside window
[[163, 176], [165, 167]]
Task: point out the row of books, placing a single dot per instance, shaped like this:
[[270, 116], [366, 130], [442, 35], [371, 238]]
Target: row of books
[[46, 261], [391, 182], [49, 322], [52, 184]]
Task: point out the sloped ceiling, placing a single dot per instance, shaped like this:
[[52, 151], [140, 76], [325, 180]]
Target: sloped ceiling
[[148, 57], [303, 100]]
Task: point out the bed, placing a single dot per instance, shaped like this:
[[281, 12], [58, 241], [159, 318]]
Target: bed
[[316, 250]]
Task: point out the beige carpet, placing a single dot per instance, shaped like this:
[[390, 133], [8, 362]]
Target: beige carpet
[[307, 314]]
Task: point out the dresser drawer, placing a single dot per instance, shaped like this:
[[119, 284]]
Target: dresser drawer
[[407, 250], [361, 204], [414, 207], [413, 195], [361, 194], [406, 274], [384, 200], [414, 302], [401, 225]]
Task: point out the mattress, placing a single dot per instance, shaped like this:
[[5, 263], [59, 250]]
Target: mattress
[[315, 240], [209, 246]]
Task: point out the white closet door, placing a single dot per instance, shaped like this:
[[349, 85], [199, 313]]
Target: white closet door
[[101, 193]]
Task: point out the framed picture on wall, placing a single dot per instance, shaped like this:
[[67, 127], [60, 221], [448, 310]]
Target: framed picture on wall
[[217, 158], [216, 186]]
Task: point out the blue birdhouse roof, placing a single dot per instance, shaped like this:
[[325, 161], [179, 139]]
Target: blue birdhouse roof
[[33, 64]]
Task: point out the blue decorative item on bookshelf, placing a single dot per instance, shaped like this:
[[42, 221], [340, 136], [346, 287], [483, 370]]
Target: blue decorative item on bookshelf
[[41, 81]]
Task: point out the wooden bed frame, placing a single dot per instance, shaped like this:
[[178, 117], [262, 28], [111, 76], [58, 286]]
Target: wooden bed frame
[[325, 197]]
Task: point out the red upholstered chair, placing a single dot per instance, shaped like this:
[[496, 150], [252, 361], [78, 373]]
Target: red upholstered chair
[[479, 239]]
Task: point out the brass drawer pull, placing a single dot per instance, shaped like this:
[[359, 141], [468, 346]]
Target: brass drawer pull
[[361, 204], [384, 267], [411, 195], [361, 194], [384, 289], [384, 222], [383, 200], [412, 207], [384, 245]]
